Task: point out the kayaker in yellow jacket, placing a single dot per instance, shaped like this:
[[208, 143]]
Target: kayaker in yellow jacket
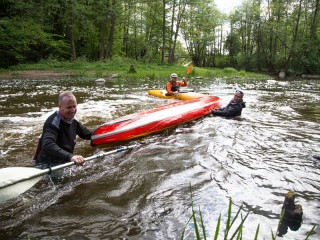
[[173, 86]]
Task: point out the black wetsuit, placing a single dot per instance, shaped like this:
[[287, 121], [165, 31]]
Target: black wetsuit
[[233, 109], [58, 140]]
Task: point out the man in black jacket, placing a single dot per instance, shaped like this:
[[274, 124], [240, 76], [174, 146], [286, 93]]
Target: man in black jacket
[[234, 108], [59, 134]]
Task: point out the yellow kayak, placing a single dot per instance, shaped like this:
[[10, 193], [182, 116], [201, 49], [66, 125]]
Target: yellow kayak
[[181, 95]]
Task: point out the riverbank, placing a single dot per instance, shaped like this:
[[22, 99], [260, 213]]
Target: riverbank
[[34, 74], [120, 68]]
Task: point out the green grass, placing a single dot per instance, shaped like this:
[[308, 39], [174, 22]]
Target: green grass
[[121, 66], [236, 234]]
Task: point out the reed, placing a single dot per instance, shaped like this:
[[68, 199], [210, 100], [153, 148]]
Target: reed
[[231, 229]]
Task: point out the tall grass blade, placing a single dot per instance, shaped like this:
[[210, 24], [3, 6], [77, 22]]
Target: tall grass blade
[[202, 226], [184, 229], [239, 237], [257, 232], [217, 228], [280, 220], [312, 231], [236, 216], [228, 220], [196, 229], [240, 226]]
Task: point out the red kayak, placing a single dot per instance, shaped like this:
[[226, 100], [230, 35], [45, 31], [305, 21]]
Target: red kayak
[[154, 120]]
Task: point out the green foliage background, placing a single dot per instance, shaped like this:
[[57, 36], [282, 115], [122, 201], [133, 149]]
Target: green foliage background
[[268, 36]]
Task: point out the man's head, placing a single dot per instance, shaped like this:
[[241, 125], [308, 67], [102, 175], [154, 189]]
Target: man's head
[[238, 96], [67, 105], [173, 77]]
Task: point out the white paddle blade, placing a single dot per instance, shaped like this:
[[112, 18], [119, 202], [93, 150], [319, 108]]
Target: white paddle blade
[[16, 180]]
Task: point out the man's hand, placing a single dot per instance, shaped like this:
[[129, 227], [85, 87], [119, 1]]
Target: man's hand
[[78, 160], [214, 112]]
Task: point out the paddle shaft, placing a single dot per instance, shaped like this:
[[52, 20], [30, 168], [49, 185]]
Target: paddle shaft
[[49, 170], [92, 157]]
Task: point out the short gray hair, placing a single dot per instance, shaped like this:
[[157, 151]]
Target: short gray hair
[[65, 94]]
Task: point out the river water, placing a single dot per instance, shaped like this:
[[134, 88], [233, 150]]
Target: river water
[[145, 192]]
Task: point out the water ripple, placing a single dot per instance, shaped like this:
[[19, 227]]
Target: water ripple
[[147, 193]]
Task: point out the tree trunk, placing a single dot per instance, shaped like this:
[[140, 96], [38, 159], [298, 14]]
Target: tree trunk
[[171, 52], [103, 34], [181, 12], [112, 28], [294, 39], [126, 31], [163, 30], [71, 28], [314, 23], [175, 28]]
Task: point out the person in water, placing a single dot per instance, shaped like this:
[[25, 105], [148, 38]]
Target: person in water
[[59, 135], [173, 86], [234, 108]]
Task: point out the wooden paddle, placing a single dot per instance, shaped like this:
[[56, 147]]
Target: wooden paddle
[[189, 70], [185, 89], [16, 180]]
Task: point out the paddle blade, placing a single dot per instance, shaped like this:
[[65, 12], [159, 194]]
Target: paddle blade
[[189, 69], [17, 180]]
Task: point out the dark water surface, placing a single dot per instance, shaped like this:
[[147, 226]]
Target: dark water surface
[[144, 193]]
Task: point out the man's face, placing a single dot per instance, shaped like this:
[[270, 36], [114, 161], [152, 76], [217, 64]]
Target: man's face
[[237, 97], [68, 108], [174, 79]]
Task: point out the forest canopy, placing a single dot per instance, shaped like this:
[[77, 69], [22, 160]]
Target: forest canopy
[[259, 35]]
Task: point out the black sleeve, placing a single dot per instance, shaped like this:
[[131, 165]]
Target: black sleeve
[[83, 132], [229, 111], [50, 146], [218, 112]]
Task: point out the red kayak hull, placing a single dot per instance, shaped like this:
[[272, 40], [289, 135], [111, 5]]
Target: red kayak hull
[[154, 120]]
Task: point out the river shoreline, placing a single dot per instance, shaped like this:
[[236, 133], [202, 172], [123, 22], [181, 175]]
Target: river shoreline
[[35, 74], [50, 74]]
